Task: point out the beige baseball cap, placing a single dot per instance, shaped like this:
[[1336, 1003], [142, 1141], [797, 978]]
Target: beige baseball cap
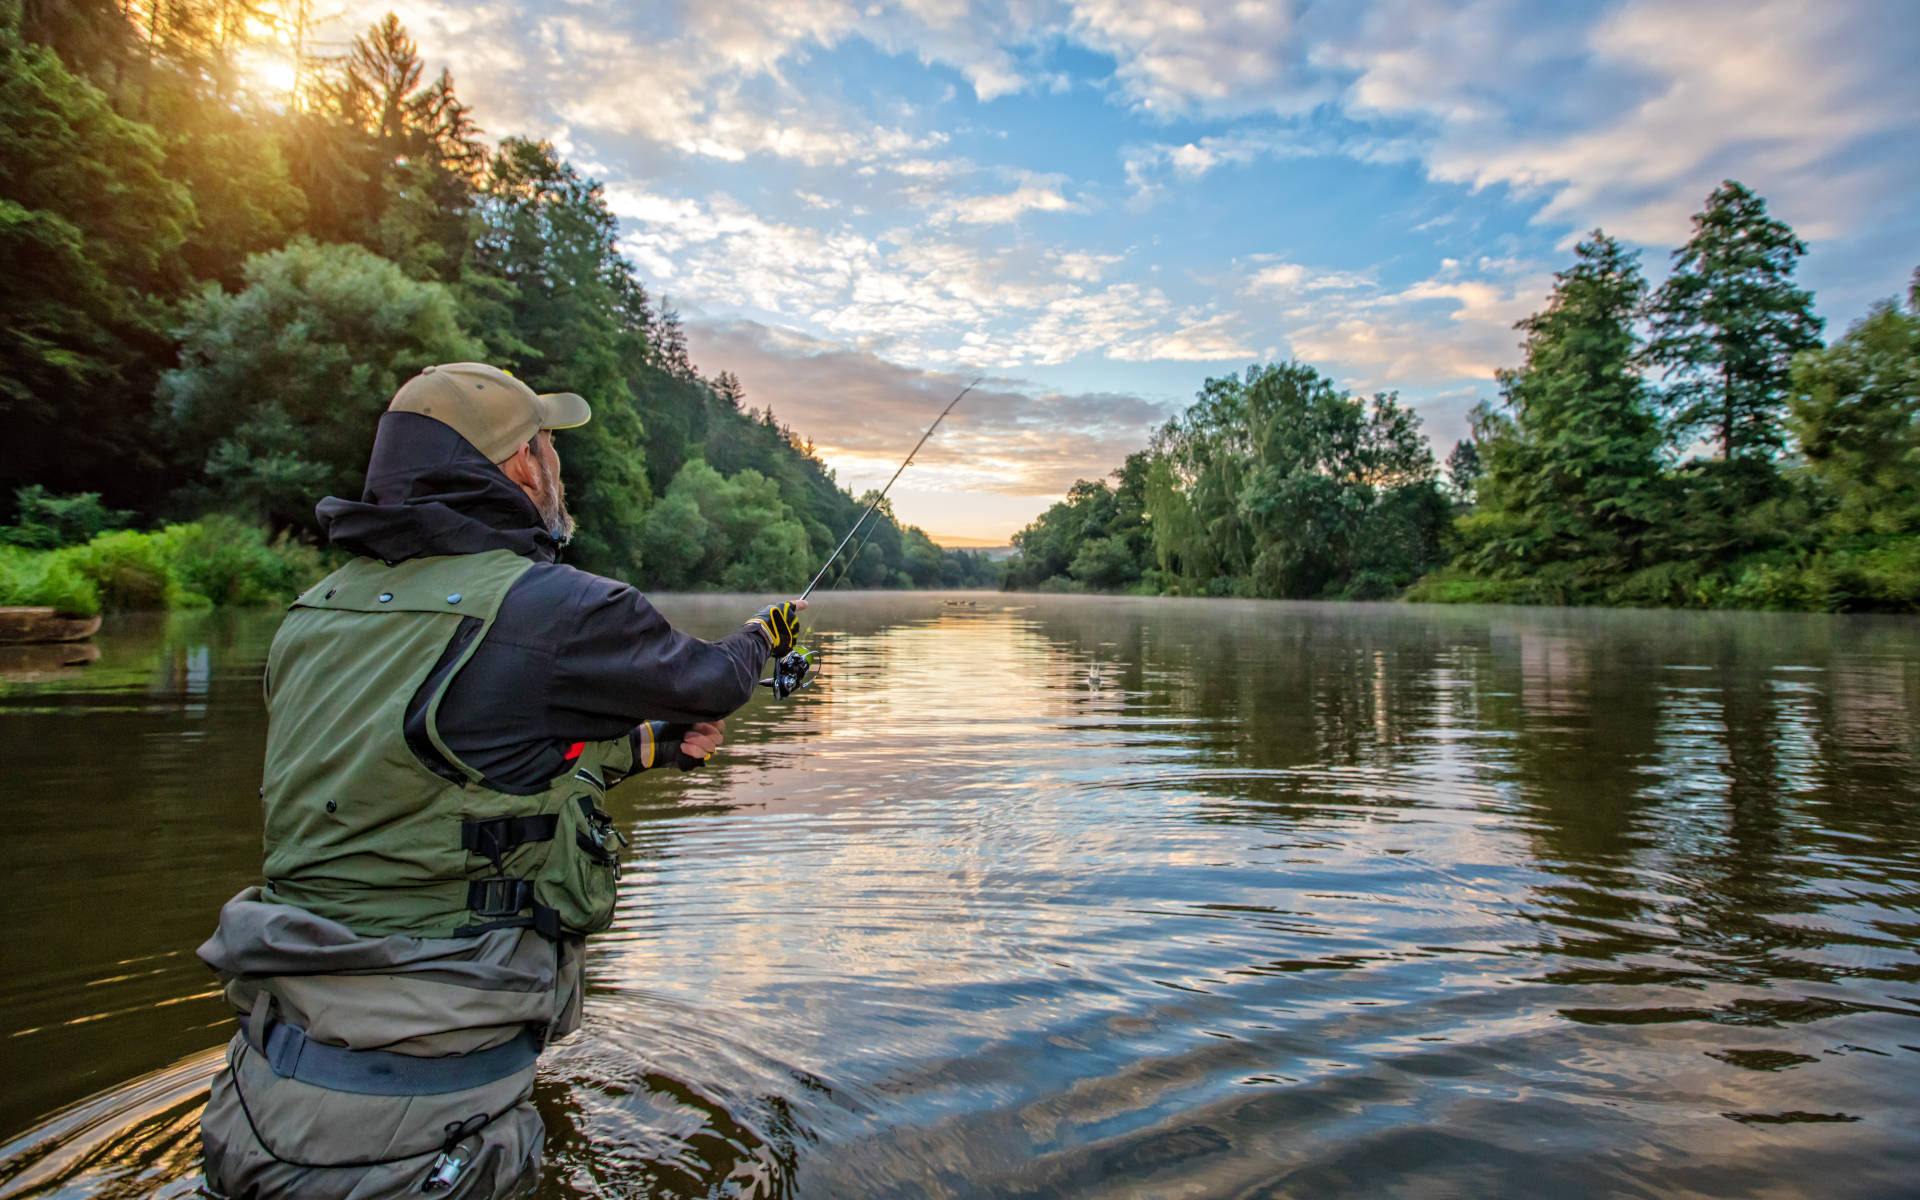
[[487, 406]]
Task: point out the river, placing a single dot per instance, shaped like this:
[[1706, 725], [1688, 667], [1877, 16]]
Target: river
[[1065, 896]]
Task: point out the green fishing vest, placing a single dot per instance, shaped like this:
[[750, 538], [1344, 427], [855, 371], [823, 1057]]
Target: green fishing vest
[[359, 827]]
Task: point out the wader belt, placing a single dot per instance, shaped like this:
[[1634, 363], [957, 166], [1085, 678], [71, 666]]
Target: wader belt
[[292, 1055]]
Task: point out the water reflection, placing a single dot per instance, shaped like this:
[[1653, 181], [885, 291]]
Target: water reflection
[[1065, 896]]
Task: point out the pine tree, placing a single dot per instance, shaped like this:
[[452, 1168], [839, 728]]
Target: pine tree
[[1728, 322], [1572, 465]]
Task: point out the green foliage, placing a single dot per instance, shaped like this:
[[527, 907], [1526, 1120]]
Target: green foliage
[[280, 384], [1575, 505], [44, 521], [1728, 322], [218, 560], [1275, 484], [565, 312], [87, 215], [221, 560], [736, 532], [130, 569], [1572, 465], [308, 261], [1856, 416], [1851, 575], [45, 579]]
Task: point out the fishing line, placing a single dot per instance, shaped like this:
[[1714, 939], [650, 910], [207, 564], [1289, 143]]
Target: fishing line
[[885, 490], [790, 673]]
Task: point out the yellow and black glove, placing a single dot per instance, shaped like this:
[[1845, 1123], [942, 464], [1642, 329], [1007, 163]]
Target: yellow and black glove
[[781, 624]]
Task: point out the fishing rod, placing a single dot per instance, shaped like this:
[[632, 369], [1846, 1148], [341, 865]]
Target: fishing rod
[[883, 491], [790, 674]]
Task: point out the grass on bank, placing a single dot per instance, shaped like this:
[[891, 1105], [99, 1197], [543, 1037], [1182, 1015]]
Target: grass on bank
[[215, 561]]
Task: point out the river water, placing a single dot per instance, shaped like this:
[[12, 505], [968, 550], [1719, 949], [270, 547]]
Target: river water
[[1066, 896]]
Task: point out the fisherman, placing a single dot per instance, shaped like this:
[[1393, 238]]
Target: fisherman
[[446, 714]]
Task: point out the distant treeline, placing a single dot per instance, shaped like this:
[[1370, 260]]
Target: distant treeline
[[209, 300], [1691, 446]]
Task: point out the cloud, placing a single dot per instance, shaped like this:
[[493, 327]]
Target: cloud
[[1628, 122], [1455, 325], [863, 412], [1002, 208], [1174, 57], [913, 293]]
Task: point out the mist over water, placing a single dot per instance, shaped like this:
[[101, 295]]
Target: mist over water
[[1070, 896]]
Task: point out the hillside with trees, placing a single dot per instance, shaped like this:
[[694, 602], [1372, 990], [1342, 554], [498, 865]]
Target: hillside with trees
[[1690, 446], [212, 296]]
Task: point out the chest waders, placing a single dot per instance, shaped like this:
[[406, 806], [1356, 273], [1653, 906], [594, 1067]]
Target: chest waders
[[371, 820], [408, 904]]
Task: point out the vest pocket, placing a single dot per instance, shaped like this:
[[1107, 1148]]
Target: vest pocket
[[582, 871]]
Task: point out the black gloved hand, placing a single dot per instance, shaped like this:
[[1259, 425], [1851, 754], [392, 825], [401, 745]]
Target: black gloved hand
[[781, 624], [659, 744]]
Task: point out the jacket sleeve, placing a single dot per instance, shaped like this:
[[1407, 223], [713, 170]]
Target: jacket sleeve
[[616, 659]]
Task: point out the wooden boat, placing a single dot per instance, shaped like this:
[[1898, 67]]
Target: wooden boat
[[25, 626]]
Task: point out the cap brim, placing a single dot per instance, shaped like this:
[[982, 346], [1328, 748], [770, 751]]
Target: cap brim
[[563, 410]]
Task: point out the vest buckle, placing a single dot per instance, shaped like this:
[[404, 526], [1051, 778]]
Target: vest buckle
[[501, 896]]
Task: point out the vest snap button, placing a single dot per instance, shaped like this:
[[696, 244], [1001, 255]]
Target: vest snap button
[[332, 807], [454, 599], [330, 592], [385, 596]]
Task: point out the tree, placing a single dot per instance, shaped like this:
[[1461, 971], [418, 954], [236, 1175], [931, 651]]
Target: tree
[[1856, 415], [736, 532], [1572, 466], [88, 216], [560, 308], [1728, 322], [1463, 469], [280, 384]]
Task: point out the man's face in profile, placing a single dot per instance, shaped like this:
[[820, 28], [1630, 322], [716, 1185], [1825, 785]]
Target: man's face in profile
[[550, 495]]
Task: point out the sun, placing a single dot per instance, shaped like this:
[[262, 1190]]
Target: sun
[[267, 70]]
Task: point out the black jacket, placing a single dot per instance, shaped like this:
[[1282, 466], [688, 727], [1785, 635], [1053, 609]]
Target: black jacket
[[571, 657]]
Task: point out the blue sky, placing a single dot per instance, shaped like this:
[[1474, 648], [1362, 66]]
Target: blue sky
[[1097, 204]]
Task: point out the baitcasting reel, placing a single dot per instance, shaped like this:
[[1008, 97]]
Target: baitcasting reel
[[790, 674]]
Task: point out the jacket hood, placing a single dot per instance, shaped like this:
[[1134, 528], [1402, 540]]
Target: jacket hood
[[429, 492]]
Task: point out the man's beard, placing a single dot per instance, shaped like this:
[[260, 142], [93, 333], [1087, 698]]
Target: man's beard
[[552, 503]]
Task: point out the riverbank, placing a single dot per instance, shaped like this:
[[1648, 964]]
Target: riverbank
[[216, 561], [1865, 573]]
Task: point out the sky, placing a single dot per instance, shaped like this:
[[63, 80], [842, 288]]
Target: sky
[[1096, 205]]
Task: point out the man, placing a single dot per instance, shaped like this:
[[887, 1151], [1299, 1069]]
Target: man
[[446, 714]]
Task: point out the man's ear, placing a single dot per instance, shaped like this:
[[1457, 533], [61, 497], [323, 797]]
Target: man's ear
[[520, 467]]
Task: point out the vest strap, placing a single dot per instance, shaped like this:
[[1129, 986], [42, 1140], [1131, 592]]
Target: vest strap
[[495, 836], [499, 902], [293, 1055]]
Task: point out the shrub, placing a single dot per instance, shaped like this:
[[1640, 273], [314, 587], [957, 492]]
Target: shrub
[[223, 561], [44, 521], [217, 560], [50, 580], [129, 568]]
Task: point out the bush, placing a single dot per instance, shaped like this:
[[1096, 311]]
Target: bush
[[217, 560], [35, 580], [44, 521], [223, 561], [1860, 574], [130, 570], [1662, 585]]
